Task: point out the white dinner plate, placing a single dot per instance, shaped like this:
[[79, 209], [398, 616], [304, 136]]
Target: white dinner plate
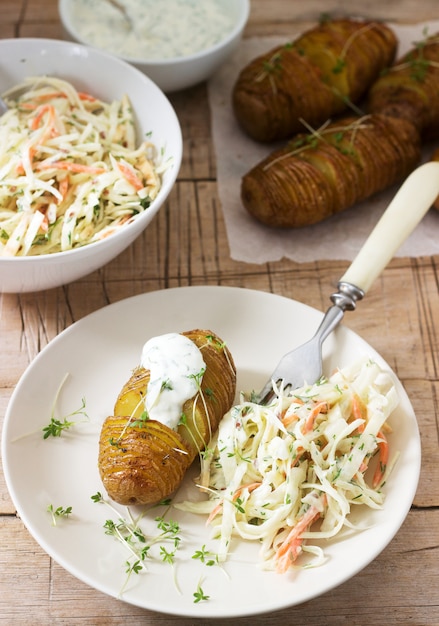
[[98, 354]]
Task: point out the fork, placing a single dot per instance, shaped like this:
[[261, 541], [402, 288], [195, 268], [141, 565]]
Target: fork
[[303, 365], [13, 93], [3, 106], [16, 91]]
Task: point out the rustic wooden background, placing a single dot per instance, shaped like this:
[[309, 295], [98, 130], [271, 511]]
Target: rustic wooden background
[[187, 245]]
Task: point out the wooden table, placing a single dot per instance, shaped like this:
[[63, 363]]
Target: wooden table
[[399, 318]]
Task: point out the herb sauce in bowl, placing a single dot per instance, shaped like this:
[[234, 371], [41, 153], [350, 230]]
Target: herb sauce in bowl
[[158, 30]]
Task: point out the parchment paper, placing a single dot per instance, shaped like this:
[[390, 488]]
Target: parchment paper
[[340, 237]]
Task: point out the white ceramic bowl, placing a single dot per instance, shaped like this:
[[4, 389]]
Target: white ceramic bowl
[[108, 78], [178, 72]]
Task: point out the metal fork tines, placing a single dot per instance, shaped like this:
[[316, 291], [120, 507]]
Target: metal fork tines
[[303, 365]]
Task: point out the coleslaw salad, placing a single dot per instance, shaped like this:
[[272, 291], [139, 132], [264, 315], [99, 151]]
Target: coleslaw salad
[[288, 475], [71, 168]]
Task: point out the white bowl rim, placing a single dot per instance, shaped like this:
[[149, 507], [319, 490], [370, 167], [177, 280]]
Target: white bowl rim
[[178, 60], [145, 215]]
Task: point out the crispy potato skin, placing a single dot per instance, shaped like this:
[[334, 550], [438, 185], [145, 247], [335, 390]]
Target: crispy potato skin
[[313, 178], [145, 463], [410, 89], [311, 78]]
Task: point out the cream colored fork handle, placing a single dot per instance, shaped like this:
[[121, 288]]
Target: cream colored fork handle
[[412, 201]]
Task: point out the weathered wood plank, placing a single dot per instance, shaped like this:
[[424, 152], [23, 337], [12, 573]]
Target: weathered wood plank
[[277, 13], [380, 594]]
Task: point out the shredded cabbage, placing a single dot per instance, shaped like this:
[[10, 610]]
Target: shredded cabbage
[[289, 473], [71, 172]]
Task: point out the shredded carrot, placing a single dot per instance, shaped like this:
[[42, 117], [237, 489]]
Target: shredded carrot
[[63, 186], [359, 411], [50, 131], [299, 451], [42, 97], [214, 512], [290, 549], [130, 176], [105, 234], [289, 418], [357, 407], [250, 487], [30, 106], [47, 108], [86, 96], [320, 407], [109, 231], [383, 459]]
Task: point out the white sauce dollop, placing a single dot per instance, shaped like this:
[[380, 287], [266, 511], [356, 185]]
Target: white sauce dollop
[[160, 30], [176, 366]]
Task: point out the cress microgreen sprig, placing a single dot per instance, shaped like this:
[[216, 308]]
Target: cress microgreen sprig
[[199, 594], [316, 136], [58, 512], [221, 346], [57, 426], [416, 61], [340, 63], [198, 377], [128, 532], [141, 421], [206, 556]]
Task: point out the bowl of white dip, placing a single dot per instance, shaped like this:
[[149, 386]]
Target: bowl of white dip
[[177, 43]]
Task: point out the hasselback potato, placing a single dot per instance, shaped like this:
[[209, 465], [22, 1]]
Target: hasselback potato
[[319, 174], [315, 77], [410, 89], [143, 460]]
